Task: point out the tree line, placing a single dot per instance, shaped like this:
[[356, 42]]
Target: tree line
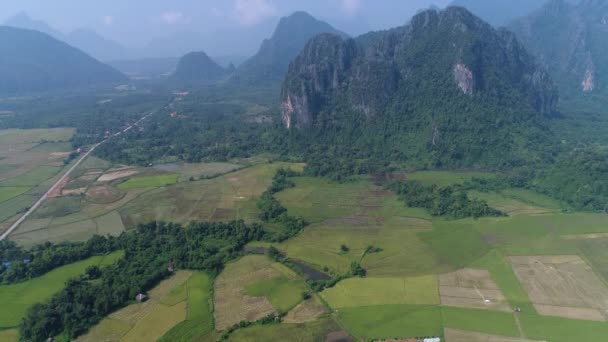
[[149, 250], [451, 201]]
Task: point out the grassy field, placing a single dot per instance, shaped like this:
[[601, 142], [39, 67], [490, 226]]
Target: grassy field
[[199, 316], [29, 161], [357, 215], [228, 197], [399, 297], [148, 182], [17, 298], [8, 192], [197, 170], [178, 309], [392, 321], [359, 292], [305, 332], [105, 209], [282, 292], [241, 294]]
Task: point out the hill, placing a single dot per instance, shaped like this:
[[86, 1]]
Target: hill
[[270, 63], [198, 67], [34, 61], [86, 40], [95, 45], [445, 90], [572, 41]]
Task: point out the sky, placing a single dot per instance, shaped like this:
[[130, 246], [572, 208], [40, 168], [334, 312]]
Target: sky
[[135, 22]]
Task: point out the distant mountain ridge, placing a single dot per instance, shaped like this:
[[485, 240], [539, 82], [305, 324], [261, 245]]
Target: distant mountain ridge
[[448, 87], [197, 67], [270, 63], [35, 61], [86, 40], [572, 41]]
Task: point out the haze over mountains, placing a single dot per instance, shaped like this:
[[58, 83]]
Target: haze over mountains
[[271, 61], [38, 62], [499, 12], [86, 40], [571, 41]]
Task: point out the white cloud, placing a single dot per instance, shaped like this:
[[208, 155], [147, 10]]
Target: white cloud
[[108, 20], [350, 7], [251, 12], [173, 17]]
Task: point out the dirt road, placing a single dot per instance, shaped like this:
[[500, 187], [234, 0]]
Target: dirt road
[[63, 178]]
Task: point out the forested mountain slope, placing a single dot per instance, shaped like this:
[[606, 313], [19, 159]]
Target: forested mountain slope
[[447, 89]]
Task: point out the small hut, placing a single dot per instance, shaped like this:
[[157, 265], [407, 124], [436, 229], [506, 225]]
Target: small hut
[[141, 297]]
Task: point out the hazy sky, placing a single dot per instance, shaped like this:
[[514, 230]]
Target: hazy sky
[[134, 22]]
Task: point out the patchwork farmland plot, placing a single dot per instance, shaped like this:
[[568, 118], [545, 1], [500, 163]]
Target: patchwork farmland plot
[[253, 274], [103, 208], [471, 288], [171, 305], [454, 335], [562, 286]]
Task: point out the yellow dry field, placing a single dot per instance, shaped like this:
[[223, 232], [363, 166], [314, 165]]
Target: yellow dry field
[[453, 335], [307, 311], [147, 321], [563, 286], [471, 288], [231, 305], [115, 174]]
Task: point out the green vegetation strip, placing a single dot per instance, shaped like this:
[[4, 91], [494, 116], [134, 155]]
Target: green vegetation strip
[[17, 298], [149, 181], [392, 321], [199, 319], [8, 192], [283, 293]]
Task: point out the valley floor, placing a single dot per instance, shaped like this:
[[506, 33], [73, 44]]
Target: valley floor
[[538, 274]]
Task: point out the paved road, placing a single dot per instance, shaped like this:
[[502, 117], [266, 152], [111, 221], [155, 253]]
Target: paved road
[[65, 175]]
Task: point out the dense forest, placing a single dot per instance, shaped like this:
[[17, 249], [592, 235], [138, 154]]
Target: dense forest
[[148, 252], [450, 201], [20, 264]]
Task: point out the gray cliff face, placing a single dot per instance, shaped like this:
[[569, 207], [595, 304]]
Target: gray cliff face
[[448, 53], [464, 78]]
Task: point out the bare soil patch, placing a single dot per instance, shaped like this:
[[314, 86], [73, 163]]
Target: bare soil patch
[[117, 174], [563, 286], [338, 336], [59, 188], [471, 288], [104, 194], [67, 192], [306, 311], [230, 303], [454, 335]]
